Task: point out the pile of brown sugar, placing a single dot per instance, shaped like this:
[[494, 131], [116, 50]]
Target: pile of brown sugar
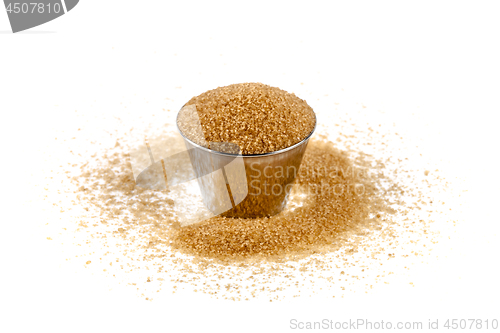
[[257, 117], [338, 199], [333, 199], [336, 206]]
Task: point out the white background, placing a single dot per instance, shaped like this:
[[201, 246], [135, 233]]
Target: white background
[[441, 58]]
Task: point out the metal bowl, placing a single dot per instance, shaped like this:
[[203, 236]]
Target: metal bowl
[[264, 188]]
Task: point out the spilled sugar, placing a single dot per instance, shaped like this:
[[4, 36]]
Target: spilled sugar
[[337, 200], [323, 243]]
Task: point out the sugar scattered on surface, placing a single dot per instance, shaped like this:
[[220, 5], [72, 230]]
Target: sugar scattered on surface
[[131, 234], [337, 200]]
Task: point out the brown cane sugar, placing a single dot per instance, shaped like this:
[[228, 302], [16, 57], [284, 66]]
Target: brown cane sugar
[[257, 117], [358, 212]]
